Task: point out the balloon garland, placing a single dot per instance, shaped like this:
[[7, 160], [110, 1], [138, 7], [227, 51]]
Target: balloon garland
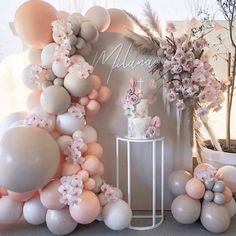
[[205, 195], [50, 157]]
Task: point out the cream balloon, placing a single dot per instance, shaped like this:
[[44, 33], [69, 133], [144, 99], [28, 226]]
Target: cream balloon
[[59, 222], [117, 215], [99, 16], [90, 134], [55, 100], [59, 69], [29, 159], [228, 175], [47, 56], [231, 207], [34, 55], [77, 87], [85, 51], [63, 142], [34, 212], [88, 31]]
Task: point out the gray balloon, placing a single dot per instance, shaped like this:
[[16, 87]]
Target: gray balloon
[[177, 181], [215, 218], [219, 198], [29, 159], [209, 184], [219, 187], [208, 196], [185, 209]]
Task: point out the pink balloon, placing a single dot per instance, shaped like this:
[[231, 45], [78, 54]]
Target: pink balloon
[[50, 196], [96, 82], [92, 165], [89, 184], [104, 94], [20, 197], [228, 194], [84, 174], [93, 107], [93, 94], [84, 101], [34, 26], [33, 100], [11, 210], [87, 210], [69, 169], [195, 188], [94, 149]]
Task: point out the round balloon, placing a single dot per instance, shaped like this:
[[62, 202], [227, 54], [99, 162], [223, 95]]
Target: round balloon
[[47, 56], [231, 207], [94, 149], [33, 100], [215, 218], [178, 180], [20, 197], [228, 175], [104, 94], [87, 210], [34, 212], [34, 55], [185, 209], [89, 134], [88, 31], [195, 188], [34, 27], [117, 215], [29, 159], [59, 222]]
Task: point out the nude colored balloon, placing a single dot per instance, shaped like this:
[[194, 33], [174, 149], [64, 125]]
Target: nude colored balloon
[[47, 56], [33, 100], [99, 16], [104, 94], [34, 55], [231, 207], [87, 210], [84, 101], [93, 107], [29, 159], [89, 184], [215, 218], [100, 171], [91, 164], [94, 149], [34, 212], [93, 94], [77, 87], [70, 169], [86, 50], [59, 222], [98, 183], [88, 31], [20, 197], [186, 210], [34, 26], [11, 210], [55, 100], [49, 196], [89, 134], [96, 82], [195, 188], [120, 22], [62, 14], [63, 142], [228, 194], [177, 181], [228, 175]]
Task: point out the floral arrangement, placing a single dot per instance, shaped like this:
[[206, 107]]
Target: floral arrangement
[[153, 129]]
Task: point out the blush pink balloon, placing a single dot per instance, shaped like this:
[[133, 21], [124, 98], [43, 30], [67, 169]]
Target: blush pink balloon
[[27, 20], [89, 184], [96, 82], [91, 164], [93, 107], [84, 101], [50, 196], [93, 94], [94, 149], [85, 175], [195, 188], [33, 100], [228, 194], [20, 197], [70, 169], [87, 210], [104, 94]]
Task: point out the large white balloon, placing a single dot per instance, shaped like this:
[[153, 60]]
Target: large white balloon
[[34, 212], [231, 207], [47, 55], [117, 215]]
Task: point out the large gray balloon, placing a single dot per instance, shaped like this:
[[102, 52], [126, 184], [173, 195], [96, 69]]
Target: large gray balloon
[[177, 181], [186, 210], [29, 158], [215, 218]]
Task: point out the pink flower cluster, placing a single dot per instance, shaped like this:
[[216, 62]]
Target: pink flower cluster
[[153, 129], [188, 76], [74, 151], [110, 193], [37, 74], [62, 54], [70, 189], [76, 110], [205, 172], [132, 98]]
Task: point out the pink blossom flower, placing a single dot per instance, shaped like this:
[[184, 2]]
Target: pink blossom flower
[[82, 70], [151, 132], [134, 99], [37, 120], [171, 95], [194, 23], [197, 124], [170, 28], [111, 193], [76, 110], [152, 84], [180, 104], [156, 122], [133, 83]]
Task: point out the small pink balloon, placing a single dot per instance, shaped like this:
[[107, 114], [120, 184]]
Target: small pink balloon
[[20, 197], [84, 101], [228, 194], [195, 188], [93, 107], [92, 165], [62, 15], [93, 94], [33, 100], [104, 94], [84, 174], [87, 210], [96, 82], [89, 184], [94, 149], [69, 169], [50, 196]]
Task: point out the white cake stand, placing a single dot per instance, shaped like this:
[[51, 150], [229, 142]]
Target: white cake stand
[[157, 219]]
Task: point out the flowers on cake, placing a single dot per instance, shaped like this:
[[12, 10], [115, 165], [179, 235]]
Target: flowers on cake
[[153, 129]]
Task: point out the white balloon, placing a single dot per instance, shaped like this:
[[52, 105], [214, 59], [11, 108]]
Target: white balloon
[[231, 207], [34, 55], [63, 142], [59, 69], [117, 215], [60, 222], [34, 212], [90, 134], [67, 124], [78, 134], [11, 210], [11, 119], [47, 55]]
